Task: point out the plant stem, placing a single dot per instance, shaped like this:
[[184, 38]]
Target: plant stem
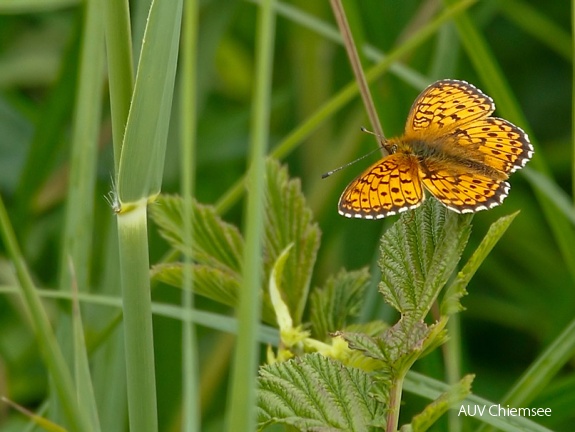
[[241, 415], [137, 306], [394, 404]]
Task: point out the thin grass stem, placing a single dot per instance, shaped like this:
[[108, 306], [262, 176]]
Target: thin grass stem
[[241, 412]]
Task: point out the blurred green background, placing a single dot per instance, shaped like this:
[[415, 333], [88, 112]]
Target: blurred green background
[[519, 301]]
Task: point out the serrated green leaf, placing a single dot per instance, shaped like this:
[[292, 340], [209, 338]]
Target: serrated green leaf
[[210, 282], [337, 302], [394, 344], [289, 220], [313, 392], [398, 347], [371, 328], [418, 254], [216, 243], [456, 393], [450, 303]]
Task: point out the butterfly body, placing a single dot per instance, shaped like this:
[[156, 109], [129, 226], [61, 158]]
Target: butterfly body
[[451, 148]]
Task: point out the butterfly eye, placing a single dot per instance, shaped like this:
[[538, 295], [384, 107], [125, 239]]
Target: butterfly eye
[[391, 148]]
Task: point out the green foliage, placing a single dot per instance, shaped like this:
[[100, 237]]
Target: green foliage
[[60, 130], [218, 246], [339, 300], [289, 222], [314, 392], [419, 254]]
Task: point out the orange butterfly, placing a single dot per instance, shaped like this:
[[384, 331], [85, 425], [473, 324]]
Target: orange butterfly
[[452, 147]]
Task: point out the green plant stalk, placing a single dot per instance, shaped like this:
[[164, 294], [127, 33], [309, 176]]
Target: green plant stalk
[[139, 179], [355, 62], [137, 306], [45, 337], [314, 121], [452, 355], [190, 373], [222, 323], [394, 404], [120, 68], [241, 412]]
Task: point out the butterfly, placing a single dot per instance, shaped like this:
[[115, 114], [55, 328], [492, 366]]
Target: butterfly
[[451, 147]]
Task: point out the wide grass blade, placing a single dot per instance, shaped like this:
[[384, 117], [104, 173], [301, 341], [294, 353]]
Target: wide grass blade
[[138, 182], [142, 157]]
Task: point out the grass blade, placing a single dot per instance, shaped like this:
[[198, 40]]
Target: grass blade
[[45, 337], [241, 413], [189, 112]]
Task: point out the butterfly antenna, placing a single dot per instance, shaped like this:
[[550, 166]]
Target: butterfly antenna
[[372, 133], [327, 174]]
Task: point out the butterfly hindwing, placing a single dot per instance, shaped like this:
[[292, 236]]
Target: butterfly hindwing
[[497, 142], [465, 193]]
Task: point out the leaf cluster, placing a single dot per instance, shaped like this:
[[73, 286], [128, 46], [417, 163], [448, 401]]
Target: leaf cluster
[[338, 375]]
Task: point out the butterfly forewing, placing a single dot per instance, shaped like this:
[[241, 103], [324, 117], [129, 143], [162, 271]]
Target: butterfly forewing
[[390, 186], [444, 105]]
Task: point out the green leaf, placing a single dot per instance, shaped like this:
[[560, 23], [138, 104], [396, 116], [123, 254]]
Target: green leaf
[[276, 293], [289, 220], [216, 251], [210, 282], [314, 392], [456, 393], [394, 344], [399, 346], [450, 303], [141, 165], [218, 246], [418, 254], [216, 243], [339, 300]]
